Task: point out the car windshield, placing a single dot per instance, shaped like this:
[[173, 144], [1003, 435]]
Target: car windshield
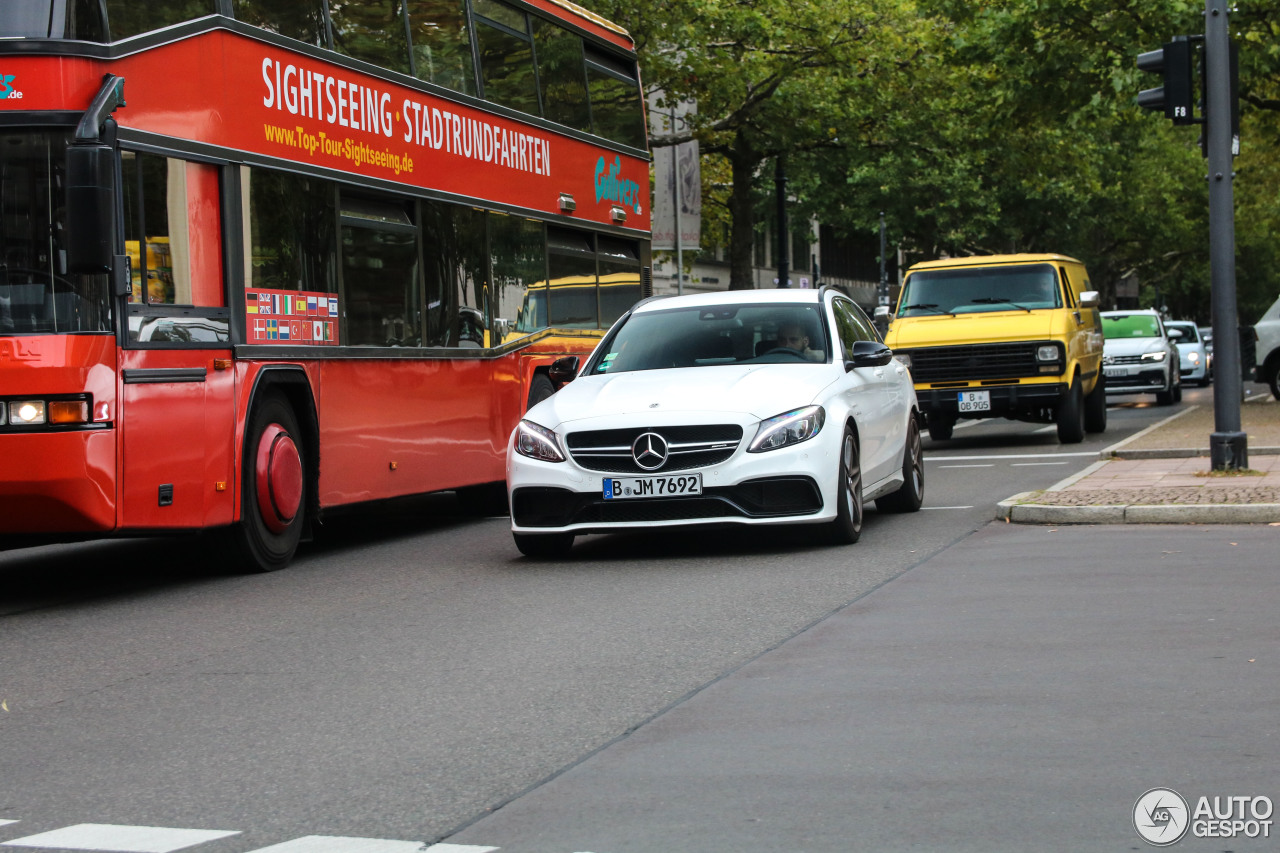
[[971, 291], [713, 335], [1130, 326]]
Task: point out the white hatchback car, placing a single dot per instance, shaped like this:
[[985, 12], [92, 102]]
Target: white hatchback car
[[743, 407]]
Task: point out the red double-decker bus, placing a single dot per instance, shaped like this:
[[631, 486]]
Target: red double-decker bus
[[265, 258]]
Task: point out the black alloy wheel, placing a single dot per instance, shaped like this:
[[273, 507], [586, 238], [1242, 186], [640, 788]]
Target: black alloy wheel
[[847, 526], [910, 495]]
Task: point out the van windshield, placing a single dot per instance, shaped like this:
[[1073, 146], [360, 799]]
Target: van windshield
[[1027, 287]]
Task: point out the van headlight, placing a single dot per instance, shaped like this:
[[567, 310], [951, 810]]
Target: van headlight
[[788, 428], [537, 442]]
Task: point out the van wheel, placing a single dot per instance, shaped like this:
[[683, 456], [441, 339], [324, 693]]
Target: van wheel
[[940, 426], [540, 388], [1070, 415], [273, 497], [1095, 407]]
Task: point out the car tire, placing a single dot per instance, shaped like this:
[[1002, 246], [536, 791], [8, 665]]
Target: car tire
[[1273, 378], [274, 495], [1177, 391], [1095, 407], [910, 495], [940, 426], [1166, 397], [846, 529], [544, 546], [1069, 415]]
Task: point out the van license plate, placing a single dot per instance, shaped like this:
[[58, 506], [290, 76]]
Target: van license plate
[[975, 401], [616, 488]]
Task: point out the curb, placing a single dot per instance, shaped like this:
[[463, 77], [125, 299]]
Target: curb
[[1021, 509], [1178, 453]]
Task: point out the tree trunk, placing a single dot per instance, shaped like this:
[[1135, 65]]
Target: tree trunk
[[745, 162]]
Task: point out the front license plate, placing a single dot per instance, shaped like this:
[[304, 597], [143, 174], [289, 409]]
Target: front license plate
[[1115, 371], [975, 401], [652, 487]]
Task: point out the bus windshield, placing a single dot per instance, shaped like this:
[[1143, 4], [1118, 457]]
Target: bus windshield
[[36, 295]]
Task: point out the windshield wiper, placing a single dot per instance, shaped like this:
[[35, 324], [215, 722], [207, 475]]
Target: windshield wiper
[[995, 300], [927, 306]]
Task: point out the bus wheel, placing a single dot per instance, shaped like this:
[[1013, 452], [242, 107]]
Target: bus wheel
[[540, 388], [274, 488]]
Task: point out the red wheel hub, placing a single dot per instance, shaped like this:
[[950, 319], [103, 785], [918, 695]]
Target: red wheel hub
[[279, 477]]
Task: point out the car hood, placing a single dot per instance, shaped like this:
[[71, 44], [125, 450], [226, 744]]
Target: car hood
[[986, 327], [757, 390], [1132, 346]]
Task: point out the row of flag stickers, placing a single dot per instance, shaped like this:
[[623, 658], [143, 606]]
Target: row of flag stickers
[[309, 318]]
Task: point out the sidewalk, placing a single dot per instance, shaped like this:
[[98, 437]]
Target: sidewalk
[[1162, 476]]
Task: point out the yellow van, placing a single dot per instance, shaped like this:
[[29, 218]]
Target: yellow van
[[1010, 336]]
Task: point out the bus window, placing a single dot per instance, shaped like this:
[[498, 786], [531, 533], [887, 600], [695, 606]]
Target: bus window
[[453, 240], [36, 296], [291, 234], [506, 56], [303, 20], [518, 260], [562, 75], [616, 104], [372, 30], [441, 44], [619, 278], [127, 18], [147, 182], [380, 275]]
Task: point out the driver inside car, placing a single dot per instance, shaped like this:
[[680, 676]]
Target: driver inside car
[[793, 336]]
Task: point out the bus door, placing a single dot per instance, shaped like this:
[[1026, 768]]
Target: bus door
[[177, 407]]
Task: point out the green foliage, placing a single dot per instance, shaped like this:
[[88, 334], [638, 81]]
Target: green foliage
[[977, 127]]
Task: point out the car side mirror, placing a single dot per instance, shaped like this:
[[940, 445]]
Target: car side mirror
[[881, 313], [868, 354], [563, 370], [1174, 334], [1089, 299]]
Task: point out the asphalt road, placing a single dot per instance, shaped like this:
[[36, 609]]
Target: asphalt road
[[411, 673]]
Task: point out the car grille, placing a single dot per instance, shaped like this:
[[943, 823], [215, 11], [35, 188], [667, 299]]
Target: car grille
[[689, 447], [1122, 359], [765, 498], [974, 361]]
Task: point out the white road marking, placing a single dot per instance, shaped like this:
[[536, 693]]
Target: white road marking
[[946, 507], [1043, 430], [931, 457], [6, 822], [122, 839], [1029, 464], [347, 844], [983, 465]]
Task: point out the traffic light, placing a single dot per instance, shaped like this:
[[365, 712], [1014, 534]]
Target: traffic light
[[1174, 98]]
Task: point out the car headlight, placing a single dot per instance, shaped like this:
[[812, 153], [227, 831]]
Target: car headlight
[[537, 442], [1195, 357], [788, 428], [1153, 356]]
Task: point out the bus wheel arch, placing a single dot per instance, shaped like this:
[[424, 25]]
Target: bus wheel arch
[[279, 471]]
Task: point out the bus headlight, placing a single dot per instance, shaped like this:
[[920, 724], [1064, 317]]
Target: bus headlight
[[26, 412], [537, 442]]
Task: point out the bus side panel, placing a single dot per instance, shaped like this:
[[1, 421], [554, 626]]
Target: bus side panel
[[393, 427], [177, 441], [60, 482]]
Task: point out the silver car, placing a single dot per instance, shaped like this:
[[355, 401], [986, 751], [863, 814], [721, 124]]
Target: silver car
[[1138, 356], [1192, 352]]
